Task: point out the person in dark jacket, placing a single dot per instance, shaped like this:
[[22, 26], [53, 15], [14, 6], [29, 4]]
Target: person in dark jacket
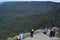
[[32, 32], [53, 31]]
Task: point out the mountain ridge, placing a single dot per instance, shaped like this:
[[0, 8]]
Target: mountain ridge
[[33, 7]]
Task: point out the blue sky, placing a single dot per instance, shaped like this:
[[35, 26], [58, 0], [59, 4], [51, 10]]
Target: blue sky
[[29, 0]]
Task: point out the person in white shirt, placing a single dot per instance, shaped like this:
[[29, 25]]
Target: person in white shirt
[[48, 32], [21, 36], [45, 31]]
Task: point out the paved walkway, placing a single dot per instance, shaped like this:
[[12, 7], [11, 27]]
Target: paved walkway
[[40, 36]]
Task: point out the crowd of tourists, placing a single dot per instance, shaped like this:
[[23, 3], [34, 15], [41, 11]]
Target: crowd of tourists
[[20, 36], [50, 32]]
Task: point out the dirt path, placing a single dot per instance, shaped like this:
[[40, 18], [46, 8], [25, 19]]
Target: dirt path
[[40, 36]]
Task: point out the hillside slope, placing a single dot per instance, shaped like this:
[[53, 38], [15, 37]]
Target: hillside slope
[[23, 16]]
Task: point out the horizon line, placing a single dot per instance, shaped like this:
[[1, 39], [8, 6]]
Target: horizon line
[[31, 1]]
